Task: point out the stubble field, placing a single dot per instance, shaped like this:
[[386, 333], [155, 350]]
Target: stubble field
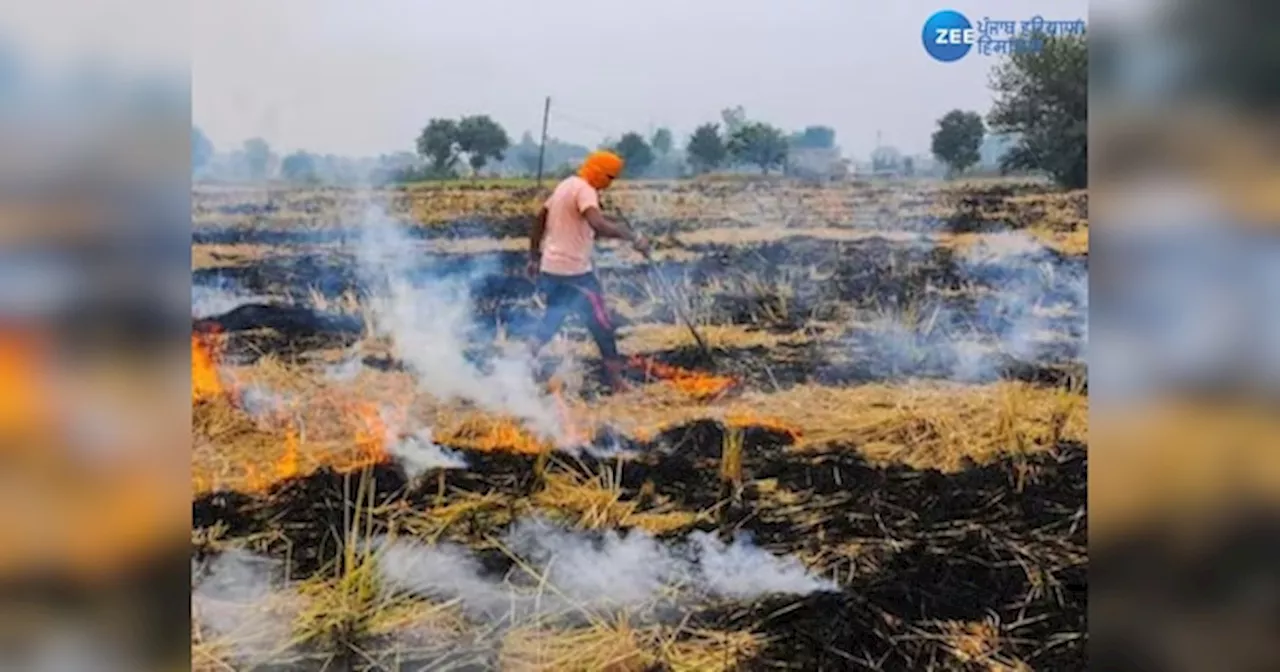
[[880, 464]]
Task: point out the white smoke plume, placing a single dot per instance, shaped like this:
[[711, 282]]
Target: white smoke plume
[[345, 370], [1031, 308], [429, 321], [742, 570], [417, 453], [573, 572], [240, 608], [218, 297]]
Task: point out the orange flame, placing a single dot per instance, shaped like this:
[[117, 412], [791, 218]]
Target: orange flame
[[287, 467], [371, 437], [701, 386], [205, 383], [501, 434], [254, 480], [772, 424], [26, 402]]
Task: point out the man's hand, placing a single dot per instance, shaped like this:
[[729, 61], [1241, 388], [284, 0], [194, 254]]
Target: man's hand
[[641, 244], [531, 269]]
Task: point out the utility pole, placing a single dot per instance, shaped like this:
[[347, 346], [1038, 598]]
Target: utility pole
[[542, 147]]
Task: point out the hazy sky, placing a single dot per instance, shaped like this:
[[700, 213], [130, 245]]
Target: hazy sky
[[362, 78]]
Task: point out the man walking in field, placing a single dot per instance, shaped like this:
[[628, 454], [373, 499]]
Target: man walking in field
[[560, 250]]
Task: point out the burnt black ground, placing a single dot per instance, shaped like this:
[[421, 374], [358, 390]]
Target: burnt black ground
[[760, 287], [1005, 539]]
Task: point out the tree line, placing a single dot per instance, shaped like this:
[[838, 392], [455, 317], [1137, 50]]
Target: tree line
[[1041, 106], [1042, 100]]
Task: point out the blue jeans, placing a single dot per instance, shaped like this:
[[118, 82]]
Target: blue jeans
[[582, 295]]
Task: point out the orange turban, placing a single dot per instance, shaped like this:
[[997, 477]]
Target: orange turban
[[600, 168]]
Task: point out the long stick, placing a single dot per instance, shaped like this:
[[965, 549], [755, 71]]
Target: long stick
[[672, 299], [675, 303], [542, 145]]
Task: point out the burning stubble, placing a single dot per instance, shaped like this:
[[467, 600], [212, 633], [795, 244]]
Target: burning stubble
[[1031, 306], [430, 323]]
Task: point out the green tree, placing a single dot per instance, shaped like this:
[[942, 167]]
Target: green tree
[[814, 137], [257, 158], [1043, 98], [637, 154], [438, 144], [201, 149], [958, 139], [662, 141], [758, 144], [481, 139], [733, 118], [706, 148], [299, 167]]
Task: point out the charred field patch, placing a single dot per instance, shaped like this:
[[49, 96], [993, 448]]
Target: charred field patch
[[879, 464]]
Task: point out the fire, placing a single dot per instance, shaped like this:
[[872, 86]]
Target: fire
[[371, 437], [26, 402], [500, 434], [205, 383], [701, 386], [752, 420], [254, 480], [287, 467]]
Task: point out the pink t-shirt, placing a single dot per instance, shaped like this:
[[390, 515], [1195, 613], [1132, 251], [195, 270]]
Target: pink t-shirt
[[567, 242]]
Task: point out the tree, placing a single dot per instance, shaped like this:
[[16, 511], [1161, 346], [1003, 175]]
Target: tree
[[815, 137], [1043, 97], [481, 139], [299, 167], [758, 144], [257, 157], [438, 144], [201, 150], [635, 152], [706, 148], [733, 118], [958, 139], [661, 141]]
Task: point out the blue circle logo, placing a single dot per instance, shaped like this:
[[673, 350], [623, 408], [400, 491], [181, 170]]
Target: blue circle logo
[[948, 36]]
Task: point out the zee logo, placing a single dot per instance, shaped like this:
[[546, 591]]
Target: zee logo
[[948, 36]]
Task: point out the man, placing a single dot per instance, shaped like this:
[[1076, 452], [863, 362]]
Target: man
[[560, 250]]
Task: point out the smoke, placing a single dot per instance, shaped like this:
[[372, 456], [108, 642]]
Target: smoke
[[1038, 297], [570, 572], [429, 321], [1031, 306], [240, 609], [346, 370], [218, 297], [418, 453], [741, 570]]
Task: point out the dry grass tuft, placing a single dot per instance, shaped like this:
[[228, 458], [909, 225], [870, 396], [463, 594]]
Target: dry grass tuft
[[621, 647], [922, 424], [615, 647], [595, 502]]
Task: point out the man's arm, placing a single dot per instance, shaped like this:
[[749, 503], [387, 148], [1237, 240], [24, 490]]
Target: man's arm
[[606, 228]]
